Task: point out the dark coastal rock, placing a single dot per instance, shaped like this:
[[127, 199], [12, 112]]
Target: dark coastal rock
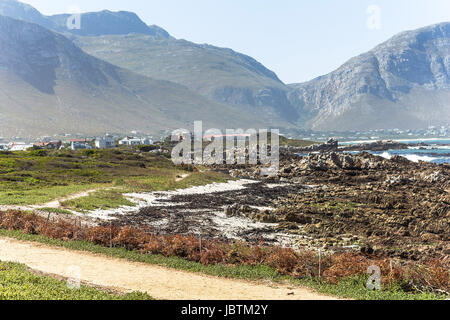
[[331, 145], [363, 200], [376, 146]]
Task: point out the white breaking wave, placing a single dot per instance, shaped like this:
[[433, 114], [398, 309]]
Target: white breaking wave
[[386, 155], [410, 157], [417, 158]]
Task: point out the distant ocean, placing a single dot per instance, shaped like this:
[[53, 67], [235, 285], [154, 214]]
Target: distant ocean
[[438, 150]]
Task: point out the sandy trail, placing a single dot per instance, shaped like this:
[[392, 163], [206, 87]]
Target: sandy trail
[[159, 282], [57, 203], [52, 204]]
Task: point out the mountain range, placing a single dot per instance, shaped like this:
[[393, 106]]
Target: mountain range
[[48, 85], [117, 73]]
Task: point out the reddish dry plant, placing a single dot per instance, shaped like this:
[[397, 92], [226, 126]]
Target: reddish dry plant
[[346, 265], [433, 275]]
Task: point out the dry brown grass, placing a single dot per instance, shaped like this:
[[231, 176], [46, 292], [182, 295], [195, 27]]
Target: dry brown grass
[[430, 276]]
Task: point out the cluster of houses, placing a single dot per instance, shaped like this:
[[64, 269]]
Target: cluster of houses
[[105, 142]]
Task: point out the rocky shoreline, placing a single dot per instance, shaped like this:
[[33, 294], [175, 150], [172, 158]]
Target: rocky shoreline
[[332, 145], [244, 213], [331, 201], [390, 208]]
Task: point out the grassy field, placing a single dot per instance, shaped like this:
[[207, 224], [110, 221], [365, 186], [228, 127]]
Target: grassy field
[[103, 199], [37, 177], [353, 288], [17, 282]]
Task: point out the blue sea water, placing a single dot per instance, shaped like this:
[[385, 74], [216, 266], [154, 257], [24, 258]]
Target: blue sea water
[[437, 151]]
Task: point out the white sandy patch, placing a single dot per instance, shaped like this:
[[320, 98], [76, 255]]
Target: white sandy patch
[[232, 227], [182, 177], [153, 199], [275, 185]]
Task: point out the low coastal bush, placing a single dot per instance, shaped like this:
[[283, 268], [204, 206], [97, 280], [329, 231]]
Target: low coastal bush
[[430, 276]]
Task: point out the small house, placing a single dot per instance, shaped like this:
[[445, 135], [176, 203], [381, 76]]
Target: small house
[[105, 142], [19, 146], [51, 145], [132, 141], [79, 144]]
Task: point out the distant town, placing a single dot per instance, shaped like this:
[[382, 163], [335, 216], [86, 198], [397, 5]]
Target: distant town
[[135, 138], [76, 143]]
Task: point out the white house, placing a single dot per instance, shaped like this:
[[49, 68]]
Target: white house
[[130, 141], [79, 144], [19, 146], [105, 142]]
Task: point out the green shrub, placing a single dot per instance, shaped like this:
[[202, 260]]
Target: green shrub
[[19, 283]]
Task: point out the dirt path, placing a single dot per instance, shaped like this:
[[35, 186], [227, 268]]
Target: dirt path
[[57, 202], [52, 204], [159, 282]]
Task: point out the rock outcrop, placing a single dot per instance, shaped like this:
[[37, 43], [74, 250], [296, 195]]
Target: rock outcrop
[[331, 145], [394, 207], [376, 146]]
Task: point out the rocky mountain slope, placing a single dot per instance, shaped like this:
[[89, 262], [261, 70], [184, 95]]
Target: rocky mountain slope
[[108, 23], [222, 75], [25, 12], [219, 74], [48, 85], [404, 83], [95, 23]]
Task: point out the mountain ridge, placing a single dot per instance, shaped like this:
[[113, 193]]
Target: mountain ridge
[[411, 64], [219, 74], [48, 85], [94, 23], [109, 23], [401, 83]]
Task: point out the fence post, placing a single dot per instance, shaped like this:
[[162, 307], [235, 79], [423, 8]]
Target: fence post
[[110, 234], [320, 263]]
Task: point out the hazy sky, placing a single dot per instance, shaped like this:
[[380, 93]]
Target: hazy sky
[[298, 39]]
